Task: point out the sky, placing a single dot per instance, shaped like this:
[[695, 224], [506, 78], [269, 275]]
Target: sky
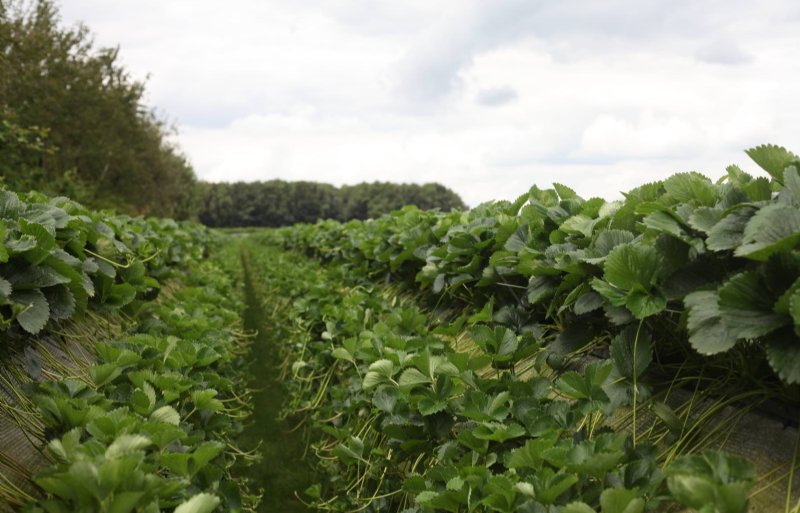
[[486, 97]]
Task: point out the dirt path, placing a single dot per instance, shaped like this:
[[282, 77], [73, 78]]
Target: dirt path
[[282, 470]]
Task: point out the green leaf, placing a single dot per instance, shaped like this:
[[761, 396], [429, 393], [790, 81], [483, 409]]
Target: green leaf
[[588, 302], [125, 444], [206, 400], [711, 481], [485, 315], [500, 343], [383, 367], [792, 300], [34, 310], [10, 205], [120, 295], [343, 354], [728, 233], [140, 402], [708, 333], [577, 507], [498, 432], [385, 399], [200, 503], [791, 190], [5, 288], [759, 189], [176, 463], [425, 497], [606, 241], [579, 224], [61, 302], [620, 500], [632, 351], [661, 221], [564, 192], [668, 416], [551, 486], [783, 354], [615, 296], [104, 373], [379, 371], [745, 305], [411, 378], [114, 472], [351, 451], [508, 344], [124, 502], [45, 241], [541, 287], [36, 277], [644, 304], [631, 266], [530, 454], [704, 218], [587, 385], [500, 406], [518, 240], [590, 457], [166, 414], [773, 228], [430, 405], [690, 187], [204, 453], [84, 478], [772, 159], [438, 283], [21, 245]]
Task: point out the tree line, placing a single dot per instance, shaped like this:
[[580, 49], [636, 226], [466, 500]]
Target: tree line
[[281, 203], [73, 122]]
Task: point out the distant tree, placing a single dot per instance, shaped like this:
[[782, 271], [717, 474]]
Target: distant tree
[[311, 201], [280, 203]]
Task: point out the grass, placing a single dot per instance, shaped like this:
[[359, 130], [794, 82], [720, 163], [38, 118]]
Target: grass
[[282, 471]]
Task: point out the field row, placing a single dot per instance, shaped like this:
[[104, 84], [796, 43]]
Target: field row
[[123, 374], [415, 410], [553, 353]]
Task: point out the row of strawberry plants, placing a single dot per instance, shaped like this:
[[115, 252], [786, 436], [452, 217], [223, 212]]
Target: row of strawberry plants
[[714, 263], [148, 422], [402, 420], [58, 258], [153, 426]]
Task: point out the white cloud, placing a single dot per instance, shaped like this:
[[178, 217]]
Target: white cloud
[[649, 136], [598, 95], [723, 52], [495, 96]]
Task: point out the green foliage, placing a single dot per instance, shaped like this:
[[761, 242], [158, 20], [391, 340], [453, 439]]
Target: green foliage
[[721, 256], [711, 482], [280, 203], [57, 258], [150, 423], [150, 432], [433, 416], [389, 391], [73, 122]]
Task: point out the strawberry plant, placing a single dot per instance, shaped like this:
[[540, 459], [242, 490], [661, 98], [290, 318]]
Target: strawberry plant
[[148, 422], [547, 318], [57, 258]]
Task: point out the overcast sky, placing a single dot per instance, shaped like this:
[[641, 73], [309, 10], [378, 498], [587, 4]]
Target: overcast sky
[[487, 97]]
